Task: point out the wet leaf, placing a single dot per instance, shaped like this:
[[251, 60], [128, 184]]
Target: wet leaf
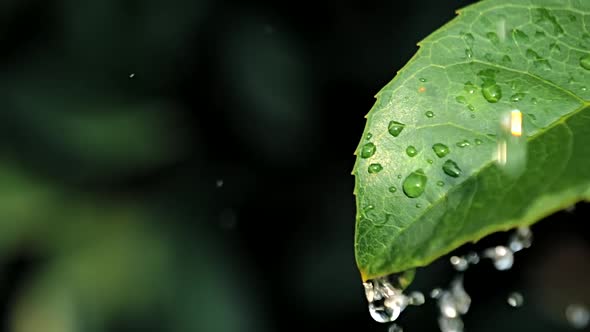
[[453, 93]]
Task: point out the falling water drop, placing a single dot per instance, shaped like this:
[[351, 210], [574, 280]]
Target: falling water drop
[[395, 328], [577, 315], [511, 144], [501, 256], [386, 298], [515, 299]]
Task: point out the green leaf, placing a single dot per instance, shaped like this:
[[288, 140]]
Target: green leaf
[[427, 176]]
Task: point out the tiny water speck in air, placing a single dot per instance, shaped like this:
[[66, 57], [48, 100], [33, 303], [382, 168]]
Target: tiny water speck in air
[[219, 183], [132, 75]]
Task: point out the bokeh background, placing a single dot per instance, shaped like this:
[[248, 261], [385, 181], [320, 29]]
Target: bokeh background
[[184, 165]]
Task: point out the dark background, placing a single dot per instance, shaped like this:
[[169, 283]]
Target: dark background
[[185, 166]]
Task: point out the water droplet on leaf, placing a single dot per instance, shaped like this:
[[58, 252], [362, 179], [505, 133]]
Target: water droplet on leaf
[[422, 79], [469, 87], [415, 183], [369, 136], [440, 149], [478, 141], [395, 128], [440, 183], [517, 97], [493, 38], [520, 36], [585, 62], [375, 168], [451, 168], [491, 91], [411, 151], [462, 144], [368, 150], [429, 114], [461, 99], [392, 189]]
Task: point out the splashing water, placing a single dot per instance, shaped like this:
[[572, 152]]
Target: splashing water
[[452, 304], [395, 328], [387, 300], [521, 239], [502, 257]]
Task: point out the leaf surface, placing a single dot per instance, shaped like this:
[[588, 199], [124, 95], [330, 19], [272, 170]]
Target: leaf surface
[[429, 174]]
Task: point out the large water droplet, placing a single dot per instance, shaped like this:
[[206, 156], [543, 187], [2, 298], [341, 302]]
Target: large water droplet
[[515, 299], [415, 183], [585, 62], [517, 97], [452, 304], [520, 36], [368, 150], [522, 238], [491, 91], [501, 256], [440, 150], [577, 315], [411, 151], [375, 168], [451, 168], [429, 114], [395, 128]]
